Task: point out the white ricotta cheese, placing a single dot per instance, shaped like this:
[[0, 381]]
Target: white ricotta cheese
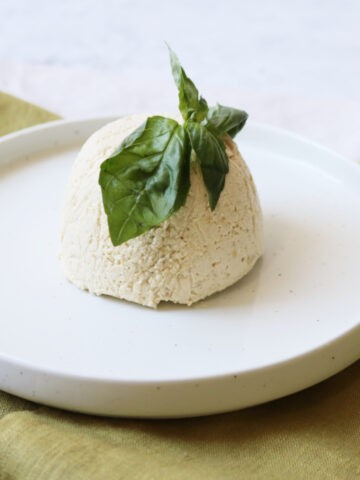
[[193, 254]]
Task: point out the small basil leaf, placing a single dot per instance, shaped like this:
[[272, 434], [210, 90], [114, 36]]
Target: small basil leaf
[[190, 105], [201, 111], [147, 180], [213, 159], [221, 119]]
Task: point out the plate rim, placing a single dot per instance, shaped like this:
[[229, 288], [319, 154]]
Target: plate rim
[[76, 121]]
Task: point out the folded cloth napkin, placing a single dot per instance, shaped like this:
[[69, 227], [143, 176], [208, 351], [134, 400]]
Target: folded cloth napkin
[[314, 434], [16, 114]]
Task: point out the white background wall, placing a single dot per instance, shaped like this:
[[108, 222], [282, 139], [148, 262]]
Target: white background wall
[[291, 63]]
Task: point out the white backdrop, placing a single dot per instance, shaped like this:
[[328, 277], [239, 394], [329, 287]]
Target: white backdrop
[[294, 64]]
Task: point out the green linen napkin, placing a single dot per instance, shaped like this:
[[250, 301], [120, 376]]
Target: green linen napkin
[[16, 114], [314, 434]]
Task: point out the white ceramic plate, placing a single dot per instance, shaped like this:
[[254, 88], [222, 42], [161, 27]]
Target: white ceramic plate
[[292, 322]]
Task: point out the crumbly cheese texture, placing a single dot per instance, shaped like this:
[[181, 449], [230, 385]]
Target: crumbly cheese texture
[[193, 254]]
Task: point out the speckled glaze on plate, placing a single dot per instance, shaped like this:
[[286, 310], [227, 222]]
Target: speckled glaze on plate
[[292, 322]]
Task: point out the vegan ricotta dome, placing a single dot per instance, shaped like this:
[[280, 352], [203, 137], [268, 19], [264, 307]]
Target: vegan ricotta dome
[[193, 254]]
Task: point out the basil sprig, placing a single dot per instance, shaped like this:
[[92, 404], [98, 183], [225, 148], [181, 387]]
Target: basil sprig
[[214, 163], [191, 105], [148, 177]]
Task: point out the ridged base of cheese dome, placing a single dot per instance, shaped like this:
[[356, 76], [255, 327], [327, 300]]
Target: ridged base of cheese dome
[[192, 255]]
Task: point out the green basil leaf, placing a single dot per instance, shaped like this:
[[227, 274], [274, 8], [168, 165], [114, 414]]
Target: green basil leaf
[[228, 120], [202, 110], [213, 159], [147, 180], [190, 104]]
